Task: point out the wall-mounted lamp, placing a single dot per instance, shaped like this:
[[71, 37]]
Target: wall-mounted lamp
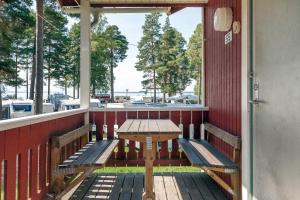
[[223, 19]]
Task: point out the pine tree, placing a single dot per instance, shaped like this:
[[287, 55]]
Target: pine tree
[[99, 57], [148, 48], [174, 72], [74, 56], [55, 36], [39, 57], [195, 57], [116, 46], [14, 17]]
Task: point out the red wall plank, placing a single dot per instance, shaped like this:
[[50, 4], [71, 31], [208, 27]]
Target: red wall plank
[[222, 72], [223, 76], [11, 151]]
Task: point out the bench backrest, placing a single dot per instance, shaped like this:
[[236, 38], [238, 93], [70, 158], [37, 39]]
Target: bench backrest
[[234, 141], [66, 138]]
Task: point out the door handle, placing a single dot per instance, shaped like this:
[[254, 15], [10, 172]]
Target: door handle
[[256, 101]]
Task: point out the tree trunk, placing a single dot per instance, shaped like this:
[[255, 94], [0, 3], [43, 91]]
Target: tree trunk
[[93, 90], [66, 89], [49, 71], [33, 72], [16, 75], [112, 99], [27, 73], [78, 82], [199, 85], [1, 114], [154, 85], [154, 80], [39, 57], [78, 87], [74, 87]]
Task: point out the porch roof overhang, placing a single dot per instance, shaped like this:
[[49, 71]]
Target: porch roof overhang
[[172, 5]]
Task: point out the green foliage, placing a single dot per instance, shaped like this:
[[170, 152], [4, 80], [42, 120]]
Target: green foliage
[[99, 75], [149, 49], [174, 72], [55, 45], [16, 19], [115, 47], [195, 56]]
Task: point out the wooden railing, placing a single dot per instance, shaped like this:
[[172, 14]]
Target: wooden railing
[[130, 153], [25, 152], [25, 146]]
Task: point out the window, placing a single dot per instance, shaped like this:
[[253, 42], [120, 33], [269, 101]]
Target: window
[[20, 107]]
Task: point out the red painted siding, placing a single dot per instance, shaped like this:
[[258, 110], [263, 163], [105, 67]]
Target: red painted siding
[[223, 74], [29, 143]]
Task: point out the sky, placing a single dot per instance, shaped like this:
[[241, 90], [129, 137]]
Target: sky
[[126, 76], [185, 21]]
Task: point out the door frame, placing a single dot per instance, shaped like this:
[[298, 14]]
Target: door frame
[[247, 108]]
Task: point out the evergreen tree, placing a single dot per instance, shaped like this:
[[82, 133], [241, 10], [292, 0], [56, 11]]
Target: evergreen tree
[[148, 51], [195, 57], [174, 71], [116, 46], [55, 39], [74, 56], [99, 57], [14, 18], [39, 57]]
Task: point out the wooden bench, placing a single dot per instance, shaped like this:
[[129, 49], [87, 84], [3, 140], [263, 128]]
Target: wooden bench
[[202, 154], [85, 160]]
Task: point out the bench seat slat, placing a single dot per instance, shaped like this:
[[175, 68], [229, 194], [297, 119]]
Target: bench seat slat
[[92, 154], [201, 153]]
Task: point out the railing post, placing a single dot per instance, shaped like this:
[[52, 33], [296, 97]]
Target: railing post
[[85, 59]]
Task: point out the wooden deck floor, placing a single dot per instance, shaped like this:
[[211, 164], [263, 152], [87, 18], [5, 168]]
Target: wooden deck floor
[[175, 186]]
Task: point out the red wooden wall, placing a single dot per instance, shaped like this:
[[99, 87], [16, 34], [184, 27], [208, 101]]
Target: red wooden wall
[[223, 74], [26, 154]]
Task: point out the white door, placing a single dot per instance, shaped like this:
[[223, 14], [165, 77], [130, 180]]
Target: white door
[[276, 135]]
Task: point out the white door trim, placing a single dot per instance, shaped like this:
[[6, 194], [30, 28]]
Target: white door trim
[[246, 160]]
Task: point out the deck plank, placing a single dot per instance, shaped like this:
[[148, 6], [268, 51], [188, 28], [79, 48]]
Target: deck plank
[[127, 187], [138, 187], [214, 188], [191, 186], [159, 188], [83, 188], [171, 191], [117, 188], [184, 192], [167, 186], [206, 193]]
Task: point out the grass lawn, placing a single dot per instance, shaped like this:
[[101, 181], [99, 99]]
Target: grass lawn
[[142, 169]]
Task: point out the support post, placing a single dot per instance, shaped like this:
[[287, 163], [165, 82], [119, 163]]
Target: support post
[[85, 58]]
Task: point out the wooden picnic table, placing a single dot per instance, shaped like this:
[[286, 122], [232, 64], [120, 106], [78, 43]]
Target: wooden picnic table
[[149, 132]]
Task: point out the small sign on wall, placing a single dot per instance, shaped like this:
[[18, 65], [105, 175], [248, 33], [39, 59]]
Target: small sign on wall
[[228, 37]]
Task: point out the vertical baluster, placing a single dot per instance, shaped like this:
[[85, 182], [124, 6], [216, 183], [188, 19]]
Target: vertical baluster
[[202, 133], [158, 143], [170, 142], [115, 133], [105, 127], [126, 144], [137, 144], [94, 128], [180, 136], [191, 127]]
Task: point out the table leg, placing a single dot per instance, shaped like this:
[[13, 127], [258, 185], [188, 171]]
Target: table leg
[[149, 156]]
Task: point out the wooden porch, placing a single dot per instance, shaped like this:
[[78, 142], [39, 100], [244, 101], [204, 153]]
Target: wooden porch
[[167, 186]]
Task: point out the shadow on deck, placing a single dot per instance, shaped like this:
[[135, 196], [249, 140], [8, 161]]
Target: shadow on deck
[[168, 186]]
